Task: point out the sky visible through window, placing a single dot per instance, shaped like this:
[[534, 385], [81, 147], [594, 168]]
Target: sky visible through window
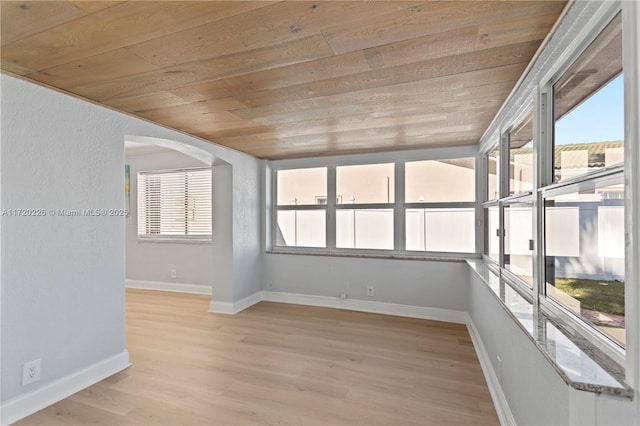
[[599, 118]]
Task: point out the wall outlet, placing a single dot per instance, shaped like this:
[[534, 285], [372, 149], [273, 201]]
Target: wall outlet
[[174, 273], [343, 296], [370, 291], [30, 372]]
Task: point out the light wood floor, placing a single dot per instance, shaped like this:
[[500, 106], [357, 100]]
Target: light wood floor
[[278, 364]]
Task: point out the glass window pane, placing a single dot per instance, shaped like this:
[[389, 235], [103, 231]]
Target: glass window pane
[[435, 181], [588, 107], [518, 237], [301, 228], [521, 156], [585, 256], [442, 230], [369, 183], [493, 233], [302, 186], [493, 174], [364, 229]]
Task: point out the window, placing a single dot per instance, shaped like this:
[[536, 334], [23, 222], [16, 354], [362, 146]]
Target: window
[[518, 241], [441, 230], [440, 181], [588, 108], [432, 223], [492, 215], [584, 255], [493, 174], [301, 207], [437, 212], [370, 226], [521, 156], [174, 204]]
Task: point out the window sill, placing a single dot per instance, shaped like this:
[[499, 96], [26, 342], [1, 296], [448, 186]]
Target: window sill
[[580, 363], [369, 255], [175, 240]]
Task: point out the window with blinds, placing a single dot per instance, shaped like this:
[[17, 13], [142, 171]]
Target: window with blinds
[[175, 204]]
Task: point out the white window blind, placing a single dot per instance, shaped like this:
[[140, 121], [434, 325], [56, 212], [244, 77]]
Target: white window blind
[[175, 203]]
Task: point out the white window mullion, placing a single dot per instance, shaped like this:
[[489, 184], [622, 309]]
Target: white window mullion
[[400, 242], [331, 208]]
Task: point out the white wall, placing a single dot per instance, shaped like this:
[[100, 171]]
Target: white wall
[[442, 285], [153, 261], [62, 279]]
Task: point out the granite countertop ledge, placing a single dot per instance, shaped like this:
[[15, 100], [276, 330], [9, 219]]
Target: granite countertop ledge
[[581, 365]]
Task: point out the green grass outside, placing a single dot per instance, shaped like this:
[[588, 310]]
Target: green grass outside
[[608, 299]]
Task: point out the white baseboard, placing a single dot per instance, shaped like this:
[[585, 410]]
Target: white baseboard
[[409, 311], [497, 395], [232, 308], [165, 286], [24, 405]]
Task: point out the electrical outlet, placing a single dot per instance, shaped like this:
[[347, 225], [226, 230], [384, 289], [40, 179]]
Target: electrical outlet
[[30, 372], [174, 273], [343, 296], [370, 290]]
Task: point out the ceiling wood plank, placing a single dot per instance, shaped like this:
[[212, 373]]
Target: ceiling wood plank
[[284, 21], [254, 88], [397, 54], [429, 18], [451, 109], [349, 123], [93, 6], [115, 27], [147, 101], [303, 49], [377, 78], [94, 69], [532, 27], [195, 108], [424, 92], [20, 19]]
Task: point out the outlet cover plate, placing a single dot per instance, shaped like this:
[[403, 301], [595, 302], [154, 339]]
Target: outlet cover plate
[[30, 372]]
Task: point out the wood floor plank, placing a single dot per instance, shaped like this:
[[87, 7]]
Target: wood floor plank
[[281, 364]]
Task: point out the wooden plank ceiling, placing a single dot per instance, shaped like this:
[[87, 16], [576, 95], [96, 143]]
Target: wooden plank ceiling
[[286, 79]]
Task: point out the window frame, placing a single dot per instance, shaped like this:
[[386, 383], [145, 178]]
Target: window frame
[[399, 159], [296, 207], [168, 238]]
